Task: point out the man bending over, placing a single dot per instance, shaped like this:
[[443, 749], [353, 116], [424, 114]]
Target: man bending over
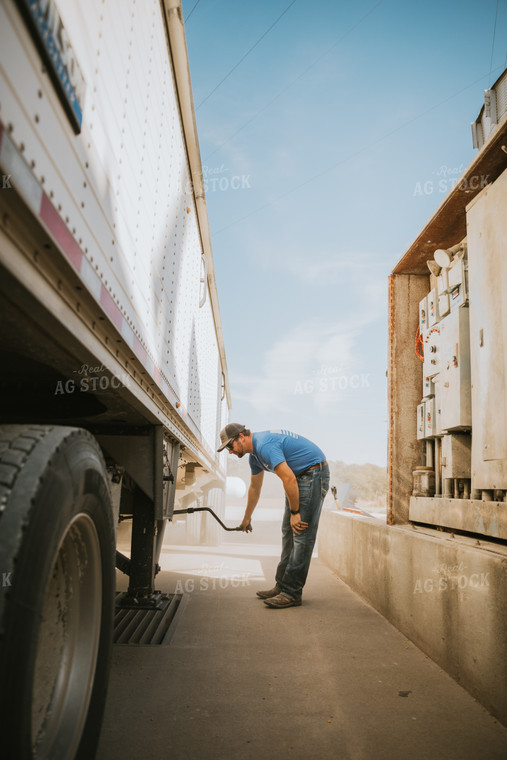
[[303, 469]]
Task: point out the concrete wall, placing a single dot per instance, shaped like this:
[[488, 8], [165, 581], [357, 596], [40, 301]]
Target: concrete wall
[[448, 595], [485, 518]]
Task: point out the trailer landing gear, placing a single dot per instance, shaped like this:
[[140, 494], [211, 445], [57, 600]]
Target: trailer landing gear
[[145, 550]]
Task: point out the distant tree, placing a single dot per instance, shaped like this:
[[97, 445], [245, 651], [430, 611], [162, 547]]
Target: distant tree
[[368, 481]]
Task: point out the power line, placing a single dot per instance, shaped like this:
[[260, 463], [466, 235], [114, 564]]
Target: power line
[[300, 76], [352, 155], [493, 43], [193, 9], [246, 54]]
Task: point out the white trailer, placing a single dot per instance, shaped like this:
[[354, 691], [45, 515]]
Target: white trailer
[[113, 373]]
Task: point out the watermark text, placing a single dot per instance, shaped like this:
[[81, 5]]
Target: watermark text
[[450, 578]]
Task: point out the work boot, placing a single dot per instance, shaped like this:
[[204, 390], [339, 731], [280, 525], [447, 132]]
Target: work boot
[[281, 601], [268, 594]]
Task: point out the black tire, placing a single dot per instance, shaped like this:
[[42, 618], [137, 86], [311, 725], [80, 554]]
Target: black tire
[[57, 592]]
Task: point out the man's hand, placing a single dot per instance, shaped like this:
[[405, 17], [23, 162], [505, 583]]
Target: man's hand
[[297, 525], [246, 525]]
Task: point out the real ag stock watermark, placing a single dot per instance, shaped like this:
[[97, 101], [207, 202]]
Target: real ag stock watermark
[[210, 579], [332, 379], [446, 178], [6, 580], [89, 379], [451, 578], [220, 179]]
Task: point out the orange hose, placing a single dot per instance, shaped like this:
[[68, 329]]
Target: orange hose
[[419, 344]]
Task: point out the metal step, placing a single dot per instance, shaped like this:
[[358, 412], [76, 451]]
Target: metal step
[[146, 626]]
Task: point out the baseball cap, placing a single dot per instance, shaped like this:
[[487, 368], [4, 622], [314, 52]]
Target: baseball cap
[[229, 432]]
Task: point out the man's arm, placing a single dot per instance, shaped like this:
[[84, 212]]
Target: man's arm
[[290, 485], [254, 492]]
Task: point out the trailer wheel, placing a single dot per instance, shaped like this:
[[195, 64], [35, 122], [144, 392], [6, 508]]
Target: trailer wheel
[[57, 594]]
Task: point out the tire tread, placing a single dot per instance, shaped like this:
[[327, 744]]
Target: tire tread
[[16, 444], [30, 456]]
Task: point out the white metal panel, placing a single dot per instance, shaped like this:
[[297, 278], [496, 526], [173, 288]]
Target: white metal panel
[[423, 315], [458, 284], [431, 364], [487, 259], [444, 305], [430, 429], [432, 308], [13, 164], [443, 281], [456, 456], [428, 387], [455, 370], [437, 405], [122, 186], [421, 427], [456, 274]]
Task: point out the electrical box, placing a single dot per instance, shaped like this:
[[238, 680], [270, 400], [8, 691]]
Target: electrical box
[[458, 284], [437, 407], [428, 387], [457, 455], [423, 315], [431, 365], [432, 308], [430, 428], [428, 413], [487, 260], [420, 422], [444, 305], [443, 281], [455, 380]]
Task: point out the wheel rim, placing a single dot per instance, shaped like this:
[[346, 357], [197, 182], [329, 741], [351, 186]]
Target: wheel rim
[[68, 642]]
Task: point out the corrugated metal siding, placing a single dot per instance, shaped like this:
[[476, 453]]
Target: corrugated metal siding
[[501, 96], [485, 126]]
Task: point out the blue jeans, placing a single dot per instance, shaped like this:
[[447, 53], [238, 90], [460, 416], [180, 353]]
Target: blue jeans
[[297, 550]]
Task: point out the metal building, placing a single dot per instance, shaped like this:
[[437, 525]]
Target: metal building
[[438, 568]]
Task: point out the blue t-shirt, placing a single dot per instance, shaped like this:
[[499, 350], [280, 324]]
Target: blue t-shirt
[[271, 447]]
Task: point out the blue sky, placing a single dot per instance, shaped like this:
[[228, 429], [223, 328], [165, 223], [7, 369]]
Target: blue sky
[[352, 120]]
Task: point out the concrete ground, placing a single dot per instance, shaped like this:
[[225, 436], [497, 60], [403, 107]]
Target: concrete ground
[[240, 681]]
